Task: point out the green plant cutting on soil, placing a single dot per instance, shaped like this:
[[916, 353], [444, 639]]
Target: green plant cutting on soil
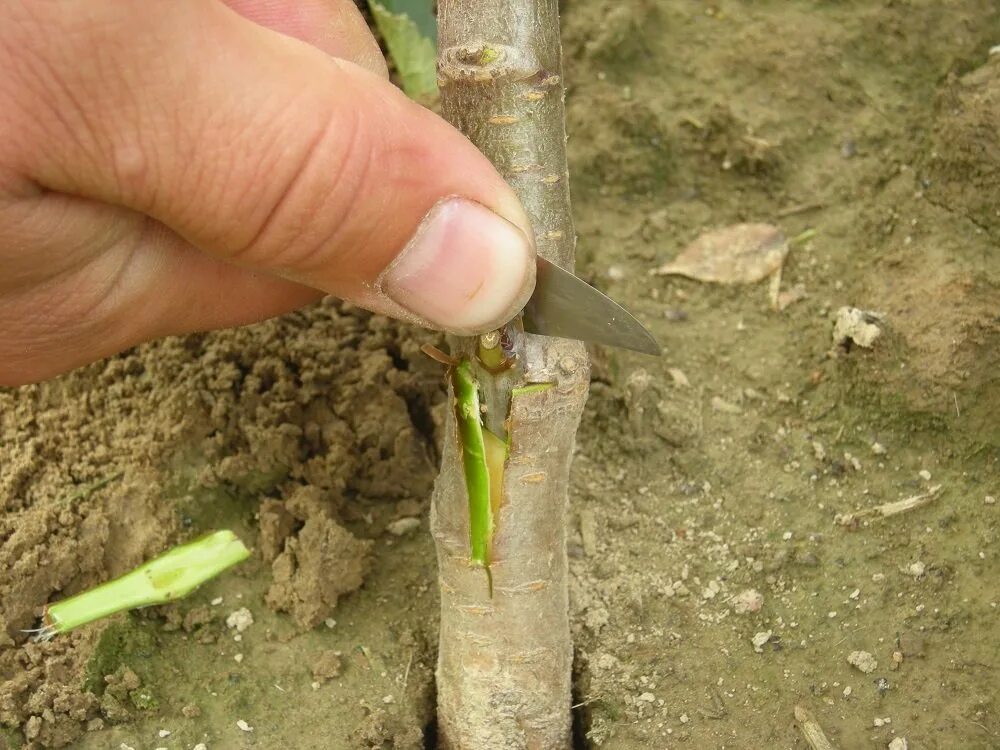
[[174, 574]]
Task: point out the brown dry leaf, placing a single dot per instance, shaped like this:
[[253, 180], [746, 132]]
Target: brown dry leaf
[[739, 254], [790, 296]]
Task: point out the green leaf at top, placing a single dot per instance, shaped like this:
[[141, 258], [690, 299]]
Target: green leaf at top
[[410, 33], [421, 12]]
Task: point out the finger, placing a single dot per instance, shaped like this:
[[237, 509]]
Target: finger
[[263, 151], [334, 26], [115, 279]]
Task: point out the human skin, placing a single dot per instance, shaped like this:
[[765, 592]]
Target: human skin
[[169, 166]]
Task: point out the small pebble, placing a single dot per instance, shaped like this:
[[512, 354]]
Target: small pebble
[[863, 661], [749, 600], [387, 699], [818, 450], [217, 601], [241, 619], [647, 697], [989, 500], [786, 536], [330, 622], [725, 407], [711, 591], [760, 639], [854, 326], [200, 746], [191, 711], [898, 743], [878, 449], [925, 475], [684, 719], [243, 726], [238, 658], [679, 377], [164, 733], [403, 526], [916, 569], [327, 666], [847, 691]]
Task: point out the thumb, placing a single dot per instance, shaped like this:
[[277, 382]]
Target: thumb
[[264, 152]]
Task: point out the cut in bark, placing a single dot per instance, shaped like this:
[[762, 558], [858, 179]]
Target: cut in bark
[[505, 654]]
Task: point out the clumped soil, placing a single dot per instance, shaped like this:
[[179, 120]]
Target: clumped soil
[[307, 435], [713, 588]]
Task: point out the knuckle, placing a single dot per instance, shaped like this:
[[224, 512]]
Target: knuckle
[[305, 221]]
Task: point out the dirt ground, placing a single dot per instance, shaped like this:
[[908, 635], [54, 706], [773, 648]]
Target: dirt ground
[[718, 577]]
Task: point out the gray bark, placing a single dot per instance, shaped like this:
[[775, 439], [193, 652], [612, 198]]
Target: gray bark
[[505, 660]]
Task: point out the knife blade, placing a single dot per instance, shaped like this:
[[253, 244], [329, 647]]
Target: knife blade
[[566, 306]]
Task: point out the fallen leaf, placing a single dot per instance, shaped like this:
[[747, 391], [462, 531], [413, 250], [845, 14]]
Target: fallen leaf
[[739, 254]]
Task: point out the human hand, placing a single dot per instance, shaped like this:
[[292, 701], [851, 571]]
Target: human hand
[[182, 165]]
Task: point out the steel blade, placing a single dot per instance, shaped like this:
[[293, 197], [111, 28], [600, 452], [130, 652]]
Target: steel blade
[[566, 306]]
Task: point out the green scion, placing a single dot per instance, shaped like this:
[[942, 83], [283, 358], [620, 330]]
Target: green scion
[[483, 456], [170, 576]]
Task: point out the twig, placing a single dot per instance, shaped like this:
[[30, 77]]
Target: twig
[[86, 491], [718, 705], [587, 702], [802, 237], [799, 209], [774, 289], [983, 727], [406, 672], [811, 730], [889, 509]]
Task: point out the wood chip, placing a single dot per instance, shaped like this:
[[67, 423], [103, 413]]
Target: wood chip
[[811, 730], [889, 509], [739, 254]]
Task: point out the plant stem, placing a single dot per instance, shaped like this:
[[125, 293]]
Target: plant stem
[[175, 573], [505, 659]]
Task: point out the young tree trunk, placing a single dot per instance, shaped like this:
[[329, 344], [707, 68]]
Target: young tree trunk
[[505, 654]]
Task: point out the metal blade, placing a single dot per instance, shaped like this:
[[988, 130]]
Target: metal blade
[[568, 307]]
